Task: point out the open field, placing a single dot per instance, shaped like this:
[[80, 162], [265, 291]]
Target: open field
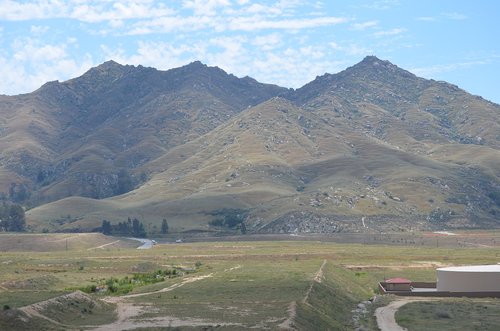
[[450, 314], [301, 284]]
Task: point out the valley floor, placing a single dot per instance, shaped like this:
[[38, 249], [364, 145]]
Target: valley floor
[[233, 285]]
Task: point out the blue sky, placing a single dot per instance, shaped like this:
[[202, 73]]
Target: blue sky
[[287, 43]]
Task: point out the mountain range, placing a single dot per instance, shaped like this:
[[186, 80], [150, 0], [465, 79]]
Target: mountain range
[[371, 148]]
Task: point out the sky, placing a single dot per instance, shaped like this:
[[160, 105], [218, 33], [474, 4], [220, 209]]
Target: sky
[[287, 43]]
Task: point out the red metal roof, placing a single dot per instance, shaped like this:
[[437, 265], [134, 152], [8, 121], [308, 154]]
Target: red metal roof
[[398, 281]]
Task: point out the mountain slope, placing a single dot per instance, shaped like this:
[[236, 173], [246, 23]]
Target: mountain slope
[[287, 170], [87, 135], [372, 148]]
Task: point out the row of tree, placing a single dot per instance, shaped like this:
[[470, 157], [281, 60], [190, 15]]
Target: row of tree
[[130, 227], [12, 218]]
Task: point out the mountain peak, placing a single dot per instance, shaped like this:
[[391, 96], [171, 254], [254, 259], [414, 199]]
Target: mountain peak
[[110, 64], [196, 64], [372, 61]]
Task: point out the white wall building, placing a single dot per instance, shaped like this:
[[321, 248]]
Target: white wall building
[[478, 278]]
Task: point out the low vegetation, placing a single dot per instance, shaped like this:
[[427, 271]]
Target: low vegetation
[[124, 285], [450, 314], [234, 285], [12, 217]]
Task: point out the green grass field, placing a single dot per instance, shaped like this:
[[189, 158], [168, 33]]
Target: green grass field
[[451, 314], [230, 285]]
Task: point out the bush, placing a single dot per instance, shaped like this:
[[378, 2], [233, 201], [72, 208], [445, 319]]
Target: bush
[[89, 289], [229, 217], [6, 307], [495, 197], [443, 314]]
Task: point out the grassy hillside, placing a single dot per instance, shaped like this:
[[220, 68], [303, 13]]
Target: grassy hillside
[[372, 148], [288, 170], [77, 137]]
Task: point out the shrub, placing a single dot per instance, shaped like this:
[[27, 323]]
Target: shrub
[[443, 314], [229, 217]]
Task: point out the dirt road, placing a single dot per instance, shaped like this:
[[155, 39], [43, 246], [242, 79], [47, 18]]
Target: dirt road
[[386, 320], [385, 315]]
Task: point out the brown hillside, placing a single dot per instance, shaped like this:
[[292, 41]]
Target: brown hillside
[[87, 136], [371, 148]]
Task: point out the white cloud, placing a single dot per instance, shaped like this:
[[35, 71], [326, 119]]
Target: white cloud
[[173, 23], [205, 7], [12, 10], [85, 10], [161, 55], [383, 4], [256, 23], [38, 29], [293, 68], [455, 16], [168, 24], [268, 42], [98, 12], [443, 16], [71, 40], [364, 25], [33, 63], [31, 50], [351, 49], [426, 18], [431, 71], [392, 32]]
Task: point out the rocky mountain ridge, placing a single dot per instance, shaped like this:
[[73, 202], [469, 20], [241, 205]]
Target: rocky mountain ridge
[[371, 148]]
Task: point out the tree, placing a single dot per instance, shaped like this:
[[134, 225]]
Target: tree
[[18, 192], [106, 227], [12, 218], [138, 229], [124, 183], [164, 226], [17, 218]]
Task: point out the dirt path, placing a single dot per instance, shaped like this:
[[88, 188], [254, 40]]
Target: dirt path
[[102, 246], [386, 320], [292, 312], [477, 245], [292, 308], [317, 279], [166, 289], [129, 313]]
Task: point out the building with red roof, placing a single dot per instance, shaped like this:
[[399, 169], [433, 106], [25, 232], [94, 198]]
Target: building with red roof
[[398, 284]]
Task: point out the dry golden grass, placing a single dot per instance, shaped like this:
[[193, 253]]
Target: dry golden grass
[[258, 161]]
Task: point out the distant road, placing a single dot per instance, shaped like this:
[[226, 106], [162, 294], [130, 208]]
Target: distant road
[[146, 243]]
